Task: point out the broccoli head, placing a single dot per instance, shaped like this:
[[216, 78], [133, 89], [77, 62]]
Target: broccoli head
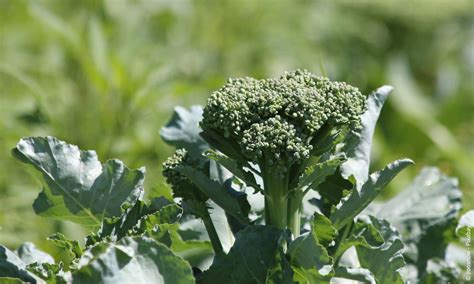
[[181, 185], [275, 121]]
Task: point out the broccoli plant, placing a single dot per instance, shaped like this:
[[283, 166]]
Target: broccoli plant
[[270, 183], [275, 127]]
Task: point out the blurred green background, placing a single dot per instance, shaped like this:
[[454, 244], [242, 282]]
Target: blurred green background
[[106, 75]]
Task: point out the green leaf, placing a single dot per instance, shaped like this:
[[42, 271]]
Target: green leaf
[[386, 260], [438, 271], [221, 194], [316, 174], [137, 220], [332, 190], [465, 223], [182, 131], [430, 198], [50, 273], [72, 247], [193, 251], [307, 252], [256, 257], [358, 144], [29, 254], [308, 255], [425, 215], [323, 229], [362, 233], [235, 168], [357, 201], [358, 274], [132, 260], [227, 147], [12, 267], [77, 187], [168, 214], [9, 280]]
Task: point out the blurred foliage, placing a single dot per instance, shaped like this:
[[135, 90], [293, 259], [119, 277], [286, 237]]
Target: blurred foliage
[[106, 75]]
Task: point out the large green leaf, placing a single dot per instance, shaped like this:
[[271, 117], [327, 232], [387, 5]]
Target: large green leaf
[[316, 174], [234, 204], [132, 260], [229, 148], [29, 254], [71, 247], [196, 252], [425, 215], [308, 255], [386, 260], [439, 271], [77, 187], [30, 265], [137, 219], [11, 266], [358, 200], [361, 233], [358, 144], [331, 191], [430, 198], [256, 257], [235, 168], [465, 224], [358, 274], [182, 131]]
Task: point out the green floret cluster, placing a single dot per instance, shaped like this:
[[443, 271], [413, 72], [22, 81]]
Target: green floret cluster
[[275, 120], [182, 186]]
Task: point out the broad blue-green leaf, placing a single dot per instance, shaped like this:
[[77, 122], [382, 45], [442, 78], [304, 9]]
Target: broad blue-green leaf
[[50, 273], [132, 260], [195, 251], [361, 233], [219, 218], [439, 271], [72, 247], [29, 254], [77, 187], [229, 148], [386, 260], [235, 168], [12, 267], [358, 144], [169, 214], [256, 257], [182, 131], [425, 215], [10, 280], [316, 174], [352, 205], [332, 190], [308, 254], [465, 223], [358, 274], [430, 198], [235, 205], [138, 219]]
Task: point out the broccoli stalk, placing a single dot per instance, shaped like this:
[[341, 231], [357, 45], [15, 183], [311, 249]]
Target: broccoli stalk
[[194, 201], [280, 125]]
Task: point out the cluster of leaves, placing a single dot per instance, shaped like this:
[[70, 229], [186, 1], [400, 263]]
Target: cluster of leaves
[[346, 235]]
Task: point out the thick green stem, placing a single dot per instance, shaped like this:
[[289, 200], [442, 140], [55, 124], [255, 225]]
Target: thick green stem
[[275, 199], [294, 212], [211, 231]]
